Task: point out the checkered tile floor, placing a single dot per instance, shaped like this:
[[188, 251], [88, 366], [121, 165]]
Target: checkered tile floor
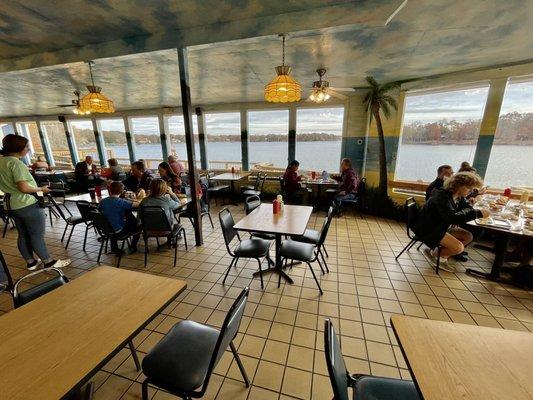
[[280, 339]]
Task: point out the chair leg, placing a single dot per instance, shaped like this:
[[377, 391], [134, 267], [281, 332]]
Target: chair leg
[[325, 251], [260, 273], [50, 215], [70, 236], [184, 238], [101, 248], [120, 253], [239, 363], [324, 261], [145, 390], [438, 259], [64, 233], [211, 220], [412, 244], [134, 355], [314, 276], [85, 237], [320, 264], [227, 271], [419, 246], [5, 229], [404, 249], [175, 250], [145, 251]]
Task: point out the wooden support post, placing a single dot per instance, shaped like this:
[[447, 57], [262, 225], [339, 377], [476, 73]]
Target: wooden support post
[[99, 141], [244, 141], [70, 141], [189, 141], [292, 134], [202, 139], [129, 140], [45, 144]]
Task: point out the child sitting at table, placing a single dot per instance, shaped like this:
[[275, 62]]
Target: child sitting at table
[[118, 212]]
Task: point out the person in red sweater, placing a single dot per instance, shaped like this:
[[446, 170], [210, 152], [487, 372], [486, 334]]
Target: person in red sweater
[[293, 189], [348, 184]]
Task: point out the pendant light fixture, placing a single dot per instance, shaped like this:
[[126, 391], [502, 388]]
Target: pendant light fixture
[[95, 101], [319, 92], [283, 88]]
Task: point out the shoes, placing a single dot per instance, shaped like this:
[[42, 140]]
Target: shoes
[[443, 263], [58, 263], [460, 257], [33, 265]]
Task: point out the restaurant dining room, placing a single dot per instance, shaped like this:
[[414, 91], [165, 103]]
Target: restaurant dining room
[[266, 200]]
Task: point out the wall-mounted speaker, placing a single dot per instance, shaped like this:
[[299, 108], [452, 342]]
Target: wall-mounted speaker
[[61, 118]]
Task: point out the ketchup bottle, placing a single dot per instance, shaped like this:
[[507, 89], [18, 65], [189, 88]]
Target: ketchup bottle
[[232, 170], [507, 192], [275, 206]]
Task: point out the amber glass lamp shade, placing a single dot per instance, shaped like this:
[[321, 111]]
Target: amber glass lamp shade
[[96, 102], [283, 88]]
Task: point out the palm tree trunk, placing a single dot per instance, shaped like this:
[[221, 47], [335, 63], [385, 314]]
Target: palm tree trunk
[[382, 153]]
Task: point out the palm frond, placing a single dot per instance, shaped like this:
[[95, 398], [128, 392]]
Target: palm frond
[[387, 87], [385, 108], [391, 101], [372, 82]]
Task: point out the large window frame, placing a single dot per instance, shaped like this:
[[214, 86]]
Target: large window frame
[[110, 146], [150, 161], [226, 163], [266, 145]]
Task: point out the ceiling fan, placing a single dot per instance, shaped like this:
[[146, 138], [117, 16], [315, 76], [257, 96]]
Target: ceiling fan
[[321, 91], [74, 103]]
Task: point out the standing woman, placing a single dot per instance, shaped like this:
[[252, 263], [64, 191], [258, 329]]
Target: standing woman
[[170, 177], [20, 202]]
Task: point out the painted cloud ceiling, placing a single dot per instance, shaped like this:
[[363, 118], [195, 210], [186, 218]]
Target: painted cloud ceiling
[[427, 37]]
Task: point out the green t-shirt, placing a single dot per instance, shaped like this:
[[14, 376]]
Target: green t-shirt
[[12, 170]]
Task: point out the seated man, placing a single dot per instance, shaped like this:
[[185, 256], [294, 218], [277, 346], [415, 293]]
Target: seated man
[[444, 209], [176, 166], [443, 172], [40, 164], [118, 213], [139, 178], [84, 172], [293, 189], [348, 184]]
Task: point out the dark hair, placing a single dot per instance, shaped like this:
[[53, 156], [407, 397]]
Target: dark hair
[[442, 168], [13, 144], [466, 167], [158, 187], [116, 188], [347, 161], [139, 165], [168, 170], [112, 162], [293, 163]]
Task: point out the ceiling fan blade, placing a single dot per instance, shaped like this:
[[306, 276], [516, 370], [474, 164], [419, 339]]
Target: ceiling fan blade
[[336, 94], [342, 89], [65, 105], [395, 12]]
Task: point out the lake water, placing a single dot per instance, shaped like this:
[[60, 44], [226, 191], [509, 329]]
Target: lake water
[[509, 165]]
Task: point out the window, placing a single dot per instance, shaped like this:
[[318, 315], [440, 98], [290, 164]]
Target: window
[[7, 129], [268, 133], [82, 130], [147, 140], [176, 128], [439, 128], [55, 132], [30, 131], [114, 136], [511, 161], [224, 140], [319, 138]]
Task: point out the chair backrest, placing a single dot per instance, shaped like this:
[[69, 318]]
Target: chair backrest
[[251, 203], [122, 176], [184, 179], [227, 223], [85, 208], [229, 330], [262, 182], [101, 223], [325, 228], [6, 281], [411, 210], [56, 207], [282, 185], [154, 221], [21, 298], [204, 181], [361, 187], [338, 375]]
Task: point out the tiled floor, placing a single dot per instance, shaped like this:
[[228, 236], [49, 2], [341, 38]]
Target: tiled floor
[[281, 340]]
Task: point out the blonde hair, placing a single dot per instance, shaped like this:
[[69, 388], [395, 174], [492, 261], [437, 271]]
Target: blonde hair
[[460, 179], [158, 187]]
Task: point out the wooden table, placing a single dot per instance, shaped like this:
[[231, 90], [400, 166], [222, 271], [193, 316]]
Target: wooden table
[[51, 347], [231, 178], [87, 197], [457, 361], [319, 183], [292, 221]]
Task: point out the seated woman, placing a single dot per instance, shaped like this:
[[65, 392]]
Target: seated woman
[[170, 177], [293, 189], [113, 171], [160, 195], [40, 164], [447, 207], [348, 184]]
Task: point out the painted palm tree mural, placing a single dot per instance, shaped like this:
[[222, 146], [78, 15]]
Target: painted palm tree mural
[[379, 100]]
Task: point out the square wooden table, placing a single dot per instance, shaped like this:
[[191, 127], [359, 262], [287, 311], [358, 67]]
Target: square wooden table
[[467, 362], [87, 197], [231, 178], [52, 346], [292, 221]]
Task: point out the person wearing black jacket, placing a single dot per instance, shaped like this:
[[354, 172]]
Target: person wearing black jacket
[[443, 172], [446, 207]]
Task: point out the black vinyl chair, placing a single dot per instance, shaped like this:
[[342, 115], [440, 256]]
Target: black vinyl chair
[[312, 236], [250, 248], [183, 361], [155, 223], [365, 387], [214, 189], [69, 221], [205, 211], [305, 252], [250, 204], [106, 232], [22, 297], [85, 208], [5, 217], [411, 211], [257, 178], [258, 187], [356, 203]]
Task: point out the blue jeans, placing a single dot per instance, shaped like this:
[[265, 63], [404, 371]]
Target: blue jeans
[[30, 222], [340, 198]]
